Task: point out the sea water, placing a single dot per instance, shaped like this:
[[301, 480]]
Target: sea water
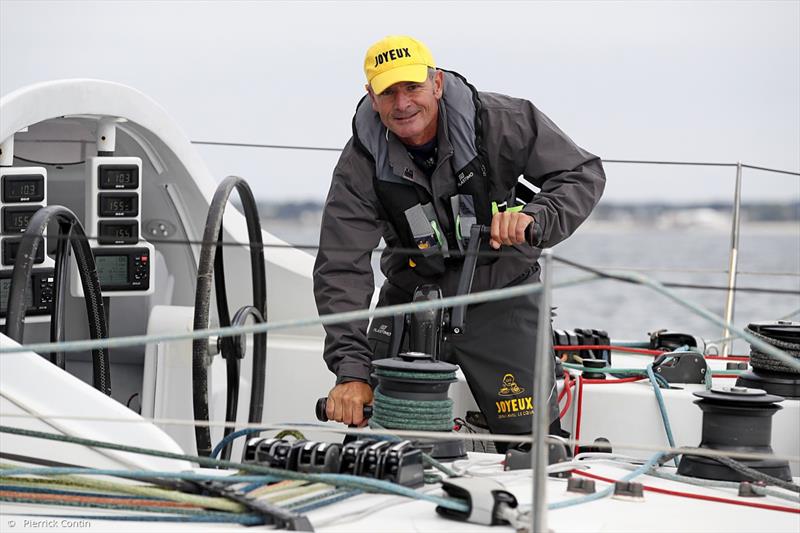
[[629, 312]]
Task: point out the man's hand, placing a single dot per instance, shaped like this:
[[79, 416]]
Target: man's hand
[[509, 228], [346, 403]]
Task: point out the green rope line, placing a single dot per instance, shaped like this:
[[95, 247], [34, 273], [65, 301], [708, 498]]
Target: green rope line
[[397, 413], [340, 480], [209, 502], [415, 375]]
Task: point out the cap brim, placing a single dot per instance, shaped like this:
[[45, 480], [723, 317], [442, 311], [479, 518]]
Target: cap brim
[[415, 73]]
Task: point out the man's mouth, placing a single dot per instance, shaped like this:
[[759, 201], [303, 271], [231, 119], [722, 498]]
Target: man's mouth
[[407, 118]]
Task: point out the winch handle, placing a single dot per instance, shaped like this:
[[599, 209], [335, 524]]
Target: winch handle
[[477, 234], [322, 413]]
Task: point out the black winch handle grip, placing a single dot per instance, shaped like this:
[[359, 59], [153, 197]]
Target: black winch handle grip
[[322, 413]]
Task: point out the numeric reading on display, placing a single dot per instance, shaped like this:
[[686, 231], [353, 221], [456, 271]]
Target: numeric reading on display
[[118, 176], [23, 188], [16, 220], [118, 205]]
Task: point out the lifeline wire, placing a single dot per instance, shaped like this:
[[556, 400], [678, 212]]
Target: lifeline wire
[[503, 252], [499, 437], [413, 307]]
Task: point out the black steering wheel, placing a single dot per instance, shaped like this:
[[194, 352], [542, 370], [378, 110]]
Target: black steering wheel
[[70, 232], [233, 348]]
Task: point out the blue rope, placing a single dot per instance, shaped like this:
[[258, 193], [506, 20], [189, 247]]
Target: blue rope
[[325, 501], [608, 490], [662, 408], [233, 436]]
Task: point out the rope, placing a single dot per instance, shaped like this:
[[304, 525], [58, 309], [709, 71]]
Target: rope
[[326, 501], [343, 480], [613, 370], [382, 372], [662, 408], [756, 475], [245, 520], [700, 482], [761, 360], [397, 413], [654, 460], [209, 502], [231, 437]]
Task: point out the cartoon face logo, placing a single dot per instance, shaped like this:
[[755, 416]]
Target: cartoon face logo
[[509, 386]]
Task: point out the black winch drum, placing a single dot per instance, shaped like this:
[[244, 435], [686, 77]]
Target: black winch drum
[[736, 419]]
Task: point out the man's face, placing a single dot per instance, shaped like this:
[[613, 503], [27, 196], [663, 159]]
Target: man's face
[[410, 110]]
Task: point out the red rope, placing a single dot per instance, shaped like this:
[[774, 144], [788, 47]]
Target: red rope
[[567, 384], [694, 496], [641, 351], [578, 414], [567, 387]]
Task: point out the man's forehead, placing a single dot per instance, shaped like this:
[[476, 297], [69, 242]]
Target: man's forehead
[[402, 85]]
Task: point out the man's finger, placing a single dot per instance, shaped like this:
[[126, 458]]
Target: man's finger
[[329, 408], [357, 414], [506, 229], [519, 235]]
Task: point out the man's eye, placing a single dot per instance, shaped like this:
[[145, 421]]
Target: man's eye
[[387, 92]]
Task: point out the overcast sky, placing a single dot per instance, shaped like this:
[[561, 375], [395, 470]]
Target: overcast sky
[[690, 81]]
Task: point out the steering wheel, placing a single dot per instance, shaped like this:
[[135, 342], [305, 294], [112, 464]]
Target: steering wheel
[[70, 232], [211, 266]]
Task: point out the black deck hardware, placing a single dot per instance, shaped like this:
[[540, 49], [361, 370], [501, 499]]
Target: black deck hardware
[[739, 419], [581, 485], [681, 367]]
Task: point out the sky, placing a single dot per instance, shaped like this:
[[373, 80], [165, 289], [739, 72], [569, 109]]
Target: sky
[[674, 81]]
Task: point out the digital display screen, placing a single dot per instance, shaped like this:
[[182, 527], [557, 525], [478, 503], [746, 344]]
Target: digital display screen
[[16, 219], [5, 289], [118, 205], [10, 248], [23, 188], [118, 176], [117, 232], [112, 269]]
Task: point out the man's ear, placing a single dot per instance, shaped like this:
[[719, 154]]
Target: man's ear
[[372, 97], [438, 84]]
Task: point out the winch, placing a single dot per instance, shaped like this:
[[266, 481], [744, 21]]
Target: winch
[[412, 394], [768, 373], [736, 419]]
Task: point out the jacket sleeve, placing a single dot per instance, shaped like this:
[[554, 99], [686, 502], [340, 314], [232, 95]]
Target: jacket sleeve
[[571, 180], [343, 276]]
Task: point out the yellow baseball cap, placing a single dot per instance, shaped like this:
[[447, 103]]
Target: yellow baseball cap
[[396, 58]]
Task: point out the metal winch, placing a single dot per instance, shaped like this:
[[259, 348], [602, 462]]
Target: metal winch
[[736, 419]]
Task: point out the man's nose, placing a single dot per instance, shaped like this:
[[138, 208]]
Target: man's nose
[[402, 100]]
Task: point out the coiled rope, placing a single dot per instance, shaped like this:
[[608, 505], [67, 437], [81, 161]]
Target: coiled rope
[[764, 361]]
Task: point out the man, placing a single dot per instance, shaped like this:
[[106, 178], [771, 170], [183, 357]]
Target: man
[[429, 157]]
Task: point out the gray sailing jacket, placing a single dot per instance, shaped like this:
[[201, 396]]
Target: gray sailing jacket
[[520, 143]]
